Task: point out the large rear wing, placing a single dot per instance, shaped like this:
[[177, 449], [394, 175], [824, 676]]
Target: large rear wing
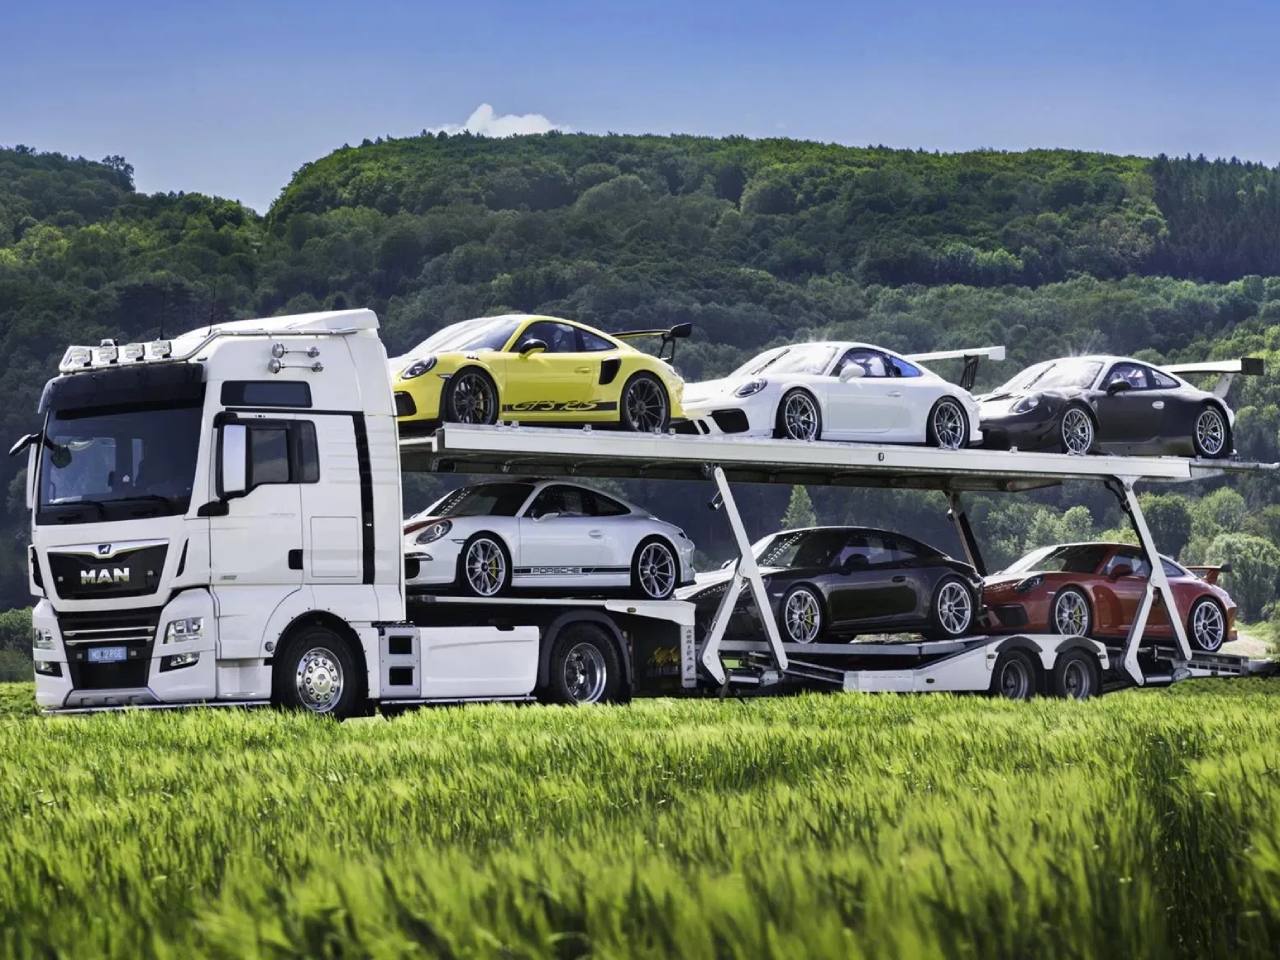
[[1227, 371], [681, 331], [970, 357], [1209, 573]]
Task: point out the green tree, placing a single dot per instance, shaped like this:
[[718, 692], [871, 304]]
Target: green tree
[[1169, 519], [799, 510], [1255, 566]]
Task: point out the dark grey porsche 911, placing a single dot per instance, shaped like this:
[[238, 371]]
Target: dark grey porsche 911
[[835, 582], [1112, 405]]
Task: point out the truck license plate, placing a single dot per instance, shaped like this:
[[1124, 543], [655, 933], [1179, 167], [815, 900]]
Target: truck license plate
[[108, 654]]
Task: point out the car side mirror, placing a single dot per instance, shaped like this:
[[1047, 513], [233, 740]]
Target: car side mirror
[[530, 347], [852, 371], [1118, 386], [1121, 570], [549, 515], [233, 460], [727, 564]]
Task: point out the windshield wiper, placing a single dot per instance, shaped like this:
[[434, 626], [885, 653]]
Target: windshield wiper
[[72, 504]]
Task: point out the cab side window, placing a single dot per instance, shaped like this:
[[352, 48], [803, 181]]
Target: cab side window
[[282, 451], [559, 337], [1132, 373]]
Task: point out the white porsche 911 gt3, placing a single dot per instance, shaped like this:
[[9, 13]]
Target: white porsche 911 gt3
[[482, 539], [841, 391]]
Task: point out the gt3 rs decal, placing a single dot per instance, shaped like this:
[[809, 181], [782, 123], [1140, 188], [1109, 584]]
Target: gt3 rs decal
[[568, 406]]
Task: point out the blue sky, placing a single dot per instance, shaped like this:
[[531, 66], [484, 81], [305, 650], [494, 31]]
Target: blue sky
[[231, 98]]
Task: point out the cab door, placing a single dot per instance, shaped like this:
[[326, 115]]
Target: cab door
[[554, 382]]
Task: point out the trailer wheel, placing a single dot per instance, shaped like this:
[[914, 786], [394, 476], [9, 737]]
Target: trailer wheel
[[1014, 677], [584, 667], [317, 672], [1076, 676]]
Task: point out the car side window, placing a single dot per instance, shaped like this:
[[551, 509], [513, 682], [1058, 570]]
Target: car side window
[[559, 337], [1136, 563], [1133, 373], [563, 500], [1172, 569], [591, 343], [872, 362], [602, 506], [1161, 381], [901, 368]]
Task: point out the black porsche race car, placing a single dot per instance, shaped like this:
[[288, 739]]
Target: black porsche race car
[[835, 582], [1113, 405]]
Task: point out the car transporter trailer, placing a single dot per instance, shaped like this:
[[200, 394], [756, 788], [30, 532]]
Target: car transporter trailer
[[1014, 665]]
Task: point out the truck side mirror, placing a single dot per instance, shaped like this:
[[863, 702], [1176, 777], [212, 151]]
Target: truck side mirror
[[233, 465], [32, 452]]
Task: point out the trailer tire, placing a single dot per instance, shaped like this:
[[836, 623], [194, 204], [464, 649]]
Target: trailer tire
[[1015, 676], [315, 670], [584, 667], [1076, 676]]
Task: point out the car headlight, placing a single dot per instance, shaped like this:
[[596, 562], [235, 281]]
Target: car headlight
[[1026, 405], [41, 639], [186, 628], [434, 532], [1029, 584], [417, 368], [750, 387]]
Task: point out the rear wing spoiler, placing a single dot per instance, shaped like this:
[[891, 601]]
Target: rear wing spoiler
[[681, 331], [970, 357], [1227, 371], [1209, 573]]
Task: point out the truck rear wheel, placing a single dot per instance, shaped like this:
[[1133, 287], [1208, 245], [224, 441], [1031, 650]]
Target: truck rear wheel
[[1014, 677], [317, 672], [584, 667], [1076, 676]]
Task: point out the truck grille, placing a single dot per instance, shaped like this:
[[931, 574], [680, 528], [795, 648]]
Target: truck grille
[[135, 630], [133, 573]]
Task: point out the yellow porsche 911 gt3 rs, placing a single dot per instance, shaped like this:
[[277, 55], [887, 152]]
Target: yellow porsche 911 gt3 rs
[[535, 369]]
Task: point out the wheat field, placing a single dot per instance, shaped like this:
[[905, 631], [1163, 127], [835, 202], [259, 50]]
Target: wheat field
[[1142, 824]]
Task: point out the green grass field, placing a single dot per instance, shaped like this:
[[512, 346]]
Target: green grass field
[[1146, 823]]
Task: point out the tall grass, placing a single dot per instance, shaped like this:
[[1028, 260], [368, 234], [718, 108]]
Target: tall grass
[[1141, 824]]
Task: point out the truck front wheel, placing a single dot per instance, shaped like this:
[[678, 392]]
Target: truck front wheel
[[316, 672]]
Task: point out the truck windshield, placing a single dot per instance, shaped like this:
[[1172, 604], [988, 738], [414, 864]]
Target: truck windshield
[[118, 462]]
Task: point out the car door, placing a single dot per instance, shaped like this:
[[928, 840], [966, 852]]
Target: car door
[[561, 544], [1118, 596], [554, 383], [1175, 412], [864, 407], [866, 589], [1127, 416]]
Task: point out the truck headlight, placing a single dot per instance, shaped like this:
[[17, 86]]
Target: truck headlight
[[434, 532], [179, 660], [750, 387], [188, 628], [41, 639], [417, 368]]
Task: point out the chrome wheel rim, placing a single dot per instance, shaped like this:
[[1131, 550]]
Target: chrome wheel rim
[[1207, 626], [803, 617], [1077, 680], [319, 680], [585, 673], [1070, 614], [800, 417], [1015, 680], [1077, 431], [1211, 432], [657, 568], [948, 425], [646, 406], [955, 609], [471, 399], [486, 567]]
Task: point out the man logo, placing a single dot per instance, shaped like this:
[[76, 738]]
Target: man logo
[[104, 549], [96, 577]]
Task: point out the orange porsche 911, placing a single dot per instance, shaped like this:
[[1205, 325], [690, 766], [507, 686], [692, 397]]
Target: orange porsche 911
[[1094, 589]]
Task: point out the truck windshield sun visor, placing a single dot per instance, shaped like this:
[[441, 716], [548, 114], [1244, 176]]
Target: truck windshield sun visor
[[166, 384]]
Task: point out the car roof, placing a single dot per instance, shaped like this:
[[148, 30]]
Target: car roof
[[1108, 544]]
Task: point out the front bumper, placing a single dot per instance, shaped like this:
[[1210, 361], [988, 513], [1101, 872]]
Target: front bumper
[[67, 676], [1026, 431], [723, 416], [431, 564]]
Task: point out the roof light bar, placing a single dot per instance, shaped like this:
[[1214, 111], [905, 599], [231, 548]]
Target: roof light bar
[[108, 353]]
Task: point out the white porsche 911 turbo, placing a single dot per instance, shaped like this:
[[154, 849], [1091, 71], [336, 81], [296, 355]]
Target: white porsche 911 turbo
[[841, 391], [481, 540]]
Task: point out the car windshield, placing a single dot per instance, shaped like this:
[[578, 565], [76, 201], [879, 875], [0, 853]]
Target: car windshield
[[802, 548], [94, 462], [1072, 558], [1055, 375], [807, 358], [486, 333], [482, 500]]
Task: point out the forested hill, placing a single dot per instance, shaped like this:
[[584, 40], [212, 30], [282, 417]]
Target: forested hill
[[754, 241]]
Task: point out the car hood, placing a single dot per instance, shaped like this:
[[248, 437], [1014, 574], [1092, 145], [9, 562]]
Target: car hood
[[715, 577]]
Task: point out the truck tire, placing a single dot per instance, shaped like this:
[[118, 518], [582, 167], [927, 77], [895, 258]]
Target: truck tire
[[316, 671], [584, 667], [1076, 676], [1015, 676]]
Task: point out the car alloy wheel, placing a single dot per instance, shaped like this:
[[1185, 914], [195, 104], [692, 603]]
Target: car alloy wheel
[[1077, 431], [802, 616], [948, 422], [1071, 613], [485, 567], [1211, 432], [1208, 625], [799, 416], [644, 405], [585, 673], [955, 608], [656, 570], [472, 398], [319, 680]]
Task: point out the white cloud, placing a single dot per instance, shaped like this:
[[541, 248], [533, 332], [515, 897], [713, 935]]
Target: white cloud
[[486, 123]]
